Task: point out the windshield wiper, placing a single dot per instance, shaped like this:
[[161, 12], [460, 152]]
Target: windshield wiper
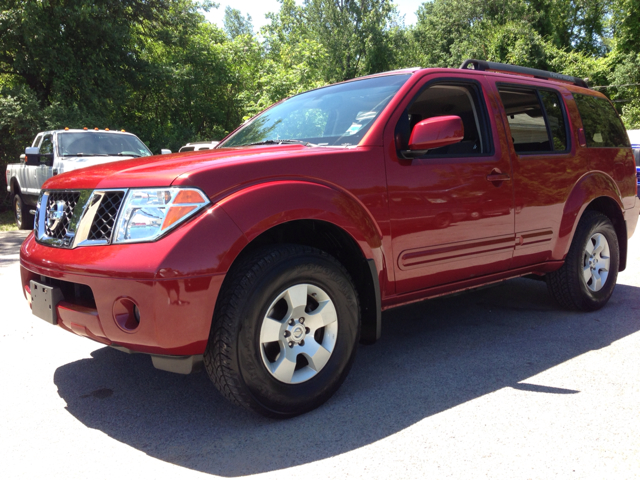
[[122, 154], [85, 155], [280, 142]]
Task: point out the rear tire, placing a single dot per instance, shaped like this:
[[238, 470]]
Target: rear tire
[[23, 219], [587, 278], [285, 331]]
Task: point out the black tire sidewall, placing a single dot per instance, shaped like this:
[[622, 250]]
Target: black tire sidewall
[[275, 397], [588, 299]]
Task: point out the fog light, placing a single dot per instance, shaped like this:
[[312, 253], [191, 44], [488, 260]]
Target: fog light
[[126, 314]]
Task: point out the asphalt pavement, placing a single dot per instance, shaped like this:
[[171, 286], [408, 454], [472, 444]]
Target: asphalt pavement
[[494, 383]]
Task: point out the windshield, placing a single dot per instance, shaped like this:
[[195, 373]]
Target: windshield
[[335, 115], [89, 144]]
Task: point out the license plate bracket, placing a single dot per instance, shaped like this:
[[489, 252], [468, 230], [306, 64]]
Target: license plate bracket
[[44, 300]]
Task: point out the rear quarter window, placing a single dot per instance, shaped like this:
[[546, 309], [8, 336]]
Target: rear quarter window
[[601, 123]]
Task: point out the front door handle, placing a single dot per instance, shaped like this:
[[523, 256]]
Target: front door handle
[[497, 176]]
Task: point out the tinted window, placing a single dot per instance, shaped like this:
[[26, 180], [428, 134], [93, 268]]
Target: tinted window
[[555, 117], [529, 126], [441, 100], [187, 149], [602, 126]]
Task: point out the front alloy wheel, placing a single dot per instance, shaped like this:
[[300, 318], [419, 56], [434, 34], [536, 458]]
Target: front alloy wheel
[[284, 332], [299, 333]]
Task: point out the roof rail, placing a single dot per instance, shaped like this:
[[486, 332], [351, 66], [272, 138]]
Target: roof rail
[[483, 65]]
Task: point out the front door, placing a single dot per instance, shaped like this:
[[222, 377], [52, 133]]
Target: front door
[[451, 208]]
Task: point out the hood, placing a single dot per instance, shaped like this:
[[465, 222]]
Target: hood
[[162, 170], [69, 164]]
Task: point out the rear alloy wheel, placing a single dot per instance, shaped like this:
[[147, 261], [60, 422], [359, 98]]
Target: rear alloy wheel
[[285, 332], [588, 276], [24, 219]]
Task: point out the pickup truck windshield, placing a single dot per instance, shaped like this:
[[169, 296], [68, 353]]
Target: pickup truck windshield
[[100, 144], [335, 115]]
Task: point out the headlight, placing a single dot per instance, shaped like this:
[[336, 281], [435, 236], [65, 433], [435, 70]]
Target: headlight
[[149, 213]]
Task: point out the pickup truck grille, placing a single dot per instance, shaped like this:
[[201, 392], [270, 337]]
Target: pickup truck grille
[[69, 219], [105, 218], [59, 212]]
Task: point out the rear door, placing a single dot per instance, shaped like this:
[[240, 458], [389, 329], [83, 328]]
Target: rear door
[[545, 167], [451, 208]]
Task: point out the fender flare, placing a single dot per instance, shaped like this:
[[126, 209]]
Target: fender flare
[[261, 207], [590, 187]]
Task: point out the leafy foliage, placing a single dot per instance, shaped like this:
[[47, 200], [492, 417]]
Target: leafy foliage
[[159, 69]]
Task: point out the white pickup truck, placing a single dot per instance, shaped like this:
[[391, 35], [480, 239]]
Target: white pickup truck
[[59, 151]]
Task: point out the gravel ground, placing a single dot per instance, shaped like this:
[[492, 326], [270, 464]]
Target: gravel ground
[[496, 383]]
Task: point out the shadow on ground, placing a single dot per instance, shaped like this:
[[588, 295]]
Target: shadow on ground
[[432, 356]]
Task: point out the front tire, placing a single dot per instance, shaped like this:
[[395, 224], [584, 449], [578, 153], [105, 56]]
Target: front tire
[[23, 219], [285, 332], [587, 278]]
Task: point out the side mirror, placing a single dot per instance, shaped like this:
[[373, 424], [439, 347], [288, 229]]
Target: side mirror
[[46, 159], [436, 132], [32, 156], [165, 151]]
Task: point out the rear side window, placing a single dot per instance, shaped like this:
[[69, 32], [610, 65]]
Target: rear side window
[[536, 120], [555, 117], [601, 123]]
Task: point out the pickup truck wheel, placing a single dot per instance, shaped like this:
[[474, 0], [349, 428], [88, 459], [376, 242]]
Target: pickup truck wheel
[[285, 334], [23, 218], [588, 276]]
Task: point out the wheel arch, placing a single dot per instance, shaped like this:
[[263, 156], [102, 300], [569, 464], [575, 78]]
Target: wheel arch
[[14, 187], [320, 217], [596, 192]]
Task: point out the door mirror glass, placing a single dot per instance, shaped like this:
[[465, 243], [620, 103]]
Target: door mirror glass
[[436, 132]]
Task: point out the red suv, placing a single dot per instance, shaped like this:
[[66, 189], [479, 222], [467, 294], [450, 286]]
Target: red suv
[[270, 257]]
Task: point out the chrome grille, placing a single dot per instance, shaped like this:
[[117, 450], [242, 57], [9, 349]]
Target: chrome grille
[[105, 217], [59, 212], [70, 219]]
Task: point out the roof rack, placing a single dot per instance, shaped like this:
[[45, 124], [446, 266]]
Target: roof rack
[[483, 65]]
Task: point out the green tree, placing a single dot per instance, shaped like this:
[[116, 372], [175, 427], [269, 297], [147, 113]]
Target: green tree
[[235, 24]]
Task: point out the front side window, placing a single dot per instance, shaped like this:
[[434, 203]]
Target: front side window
[[335, 115], [47, 145], [536, 119], [601, 123], [445, 99]]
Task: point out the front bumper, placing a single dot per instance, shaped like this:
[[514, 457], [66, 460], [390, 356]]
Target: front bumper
[[173, 283]]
